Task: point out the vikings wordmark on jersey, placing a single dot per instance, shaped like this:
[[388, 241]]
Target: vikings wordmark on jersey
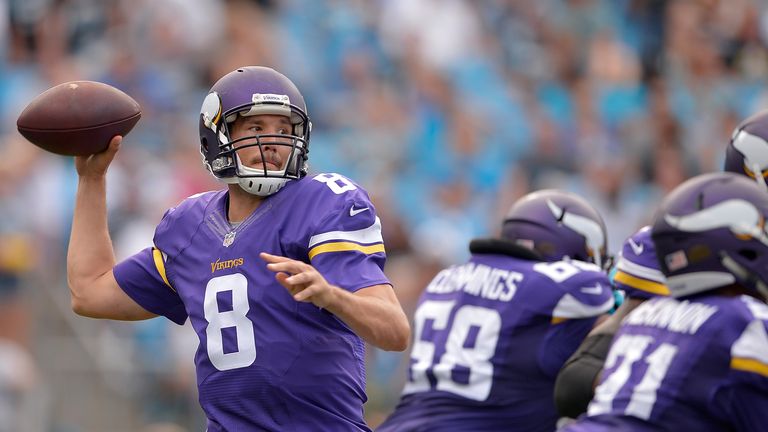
[[265, 361]]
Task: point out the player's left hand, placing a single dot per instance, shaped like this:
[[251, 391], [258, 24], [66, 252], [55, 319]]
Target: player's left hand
[[301, 280]]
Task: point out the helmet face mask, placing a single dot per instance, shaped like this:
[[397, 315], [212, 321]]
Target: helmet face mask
[[710, 233], [253, 91], [558, 225]]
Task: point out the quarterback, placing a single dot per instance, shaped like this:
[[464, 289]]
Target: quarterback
[[280, 274]]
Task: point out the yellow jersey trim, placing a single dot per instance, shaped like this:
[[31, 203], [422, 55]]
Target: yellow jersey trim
[[160, 265], [345, 246], [558, 320], [641, 284], [749, 365]]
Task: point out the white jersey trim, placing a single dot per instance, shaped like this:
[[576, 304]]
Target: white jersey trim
[[752, 344], [570, 307], [369, 235], [640, 271]]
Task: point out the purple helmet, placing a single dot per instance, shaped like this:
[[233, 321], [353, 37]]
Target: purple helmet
[[557, 224], [637, 269], [710, 232], [253, 90], [747, 153]]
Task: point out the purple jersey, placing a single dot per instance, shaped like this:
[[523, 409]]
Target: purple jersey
[[489, 339], [699, 364], [637, 269], [266, 361]]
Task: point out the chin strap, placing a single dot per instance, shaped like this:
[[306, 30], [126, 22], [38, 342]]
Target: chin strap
[[262, 186]]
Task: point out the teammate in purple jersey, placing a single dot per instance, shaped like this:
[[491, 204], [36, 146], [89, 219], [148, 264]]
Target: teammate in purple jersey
[[637, 275], [491, 334], [746, 154], [281, 288], [697, 360]]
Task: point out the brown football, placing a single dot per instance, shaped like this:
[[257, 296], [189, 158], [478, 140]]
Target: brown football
[[78, 117]]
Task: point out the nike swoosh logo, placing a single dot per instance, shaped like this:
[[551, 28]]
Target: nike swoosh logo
[[595, 290], [353, 211], [636, 248]]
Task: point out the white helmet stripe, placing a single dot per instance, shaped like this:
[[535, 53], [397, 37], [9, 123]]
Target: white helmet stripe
[[585, 226], [738, 215]]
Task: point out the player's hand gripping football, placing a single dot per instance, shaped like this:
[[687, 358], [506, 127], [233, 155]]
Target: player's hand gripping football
[[95, 165], [301, 280]]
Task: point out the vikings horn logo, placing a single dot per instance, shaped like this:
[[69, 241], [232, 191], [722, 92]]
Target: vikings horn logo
[[755, 155], [740, 216], [584, 226], [211, 110]]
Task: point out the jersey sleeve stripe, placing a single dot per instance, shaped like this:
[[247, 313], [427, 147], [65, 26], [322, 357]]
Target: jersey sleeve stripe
[[637, 270], [345, 246], [570, 307], [159, 258], [641, 284], [751, 348], [750, 365], [369, 235]]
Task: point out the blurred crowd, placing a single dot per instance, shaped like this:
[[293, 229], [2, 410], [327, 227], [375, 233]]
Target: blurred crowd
[[446, 111]]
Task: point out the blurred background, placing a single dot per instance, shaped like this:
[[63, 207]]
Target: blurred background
[[446, 111]]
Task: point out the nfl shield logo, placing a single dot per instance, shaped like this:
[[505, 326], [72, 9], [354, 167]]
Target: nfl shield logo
[[229, 238]]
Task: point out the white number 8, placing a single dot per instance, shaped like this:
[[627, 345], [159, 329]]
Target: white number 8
[[336, 182], [245, 354]]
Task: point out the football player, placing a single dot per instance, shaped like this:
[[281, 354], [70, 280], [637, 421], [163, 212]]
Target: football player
[[280, 274], [746, 154], [747, 151], [637, 275], [491, 334], [696, 360]]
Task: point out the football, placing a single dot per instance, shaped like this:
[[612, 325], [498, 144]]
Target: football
[[78, 118]]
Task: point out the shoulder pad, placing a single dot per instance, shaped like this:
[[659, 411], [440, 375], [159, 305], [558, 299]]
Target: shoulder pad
[[181, 222], [584, 290]]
